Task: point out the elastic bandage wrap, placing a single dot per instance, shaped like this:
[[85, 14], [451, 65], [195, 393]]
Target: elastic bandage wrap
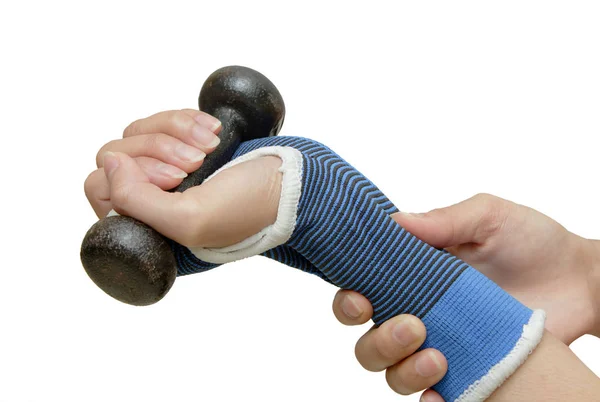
[[335, 223]]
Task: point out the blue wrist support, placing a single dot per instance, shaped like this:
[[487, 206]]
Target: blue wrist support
[[334, 223]]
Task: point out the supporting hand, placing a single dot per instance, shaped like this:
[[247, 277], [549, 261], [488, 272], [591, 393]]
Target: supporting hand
[[528, 254]]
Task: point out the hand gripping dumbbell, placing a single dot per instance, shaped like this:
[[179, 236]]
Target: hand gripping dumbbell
[[131, 261], [334, 223]]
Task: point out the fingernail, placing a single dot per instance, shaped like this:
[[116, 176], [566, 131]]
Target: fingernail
[[205, 137], [216, 126], [171, 171], [427, 398], [189, 153], [404, 332], [350, 307], [201, 119], [111, 162], [412, 215], [427, 365]]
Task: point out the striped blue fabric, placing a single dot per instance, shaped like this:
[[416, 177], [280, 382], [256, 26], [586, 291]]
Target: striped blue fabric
[[344, 234]]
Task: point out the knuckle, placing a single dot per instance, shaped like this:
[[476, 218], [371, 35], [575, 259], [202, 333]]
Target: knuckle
[[132, 129], [102, 151], [121, 197], [179, 120], [440, 213], [494, 216], [490, 203], [485, 197], [88, 185], [156, 144]]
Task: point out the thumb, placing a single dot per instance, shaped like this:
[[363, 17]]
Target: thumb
[[474, 220], [236, 204], [132, 194]]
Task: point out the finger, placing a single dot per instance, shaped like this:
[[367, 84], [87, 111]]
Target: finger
[[132, 194], [161, 174], [192, 127], [419, 371], [392, 342], [431, 396], [158, 146], [351, 308], [235, 204], [97, 191], [205, 119], [471, 221]]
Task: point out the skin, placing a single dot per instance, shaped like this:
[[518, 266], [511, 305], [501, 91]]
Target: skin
[[552, 373], [525, 252], [531, 256], [134, 172]]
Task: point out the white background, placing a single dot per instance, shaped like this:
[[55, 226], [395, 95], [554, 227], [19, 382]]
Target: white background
[[434, 101]]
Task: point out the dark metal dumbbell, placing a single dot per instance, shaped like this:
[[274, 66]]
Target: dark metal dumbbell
[[132, 262]]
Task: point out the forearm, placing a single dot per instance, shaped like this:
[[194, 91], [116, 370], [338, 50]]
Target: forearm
[[594, 283], [551, 373], [337, 220]]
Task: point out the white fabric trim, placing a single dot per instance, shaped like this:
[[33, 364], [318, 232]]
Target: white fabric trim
[[530, 338], [279, 232]]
